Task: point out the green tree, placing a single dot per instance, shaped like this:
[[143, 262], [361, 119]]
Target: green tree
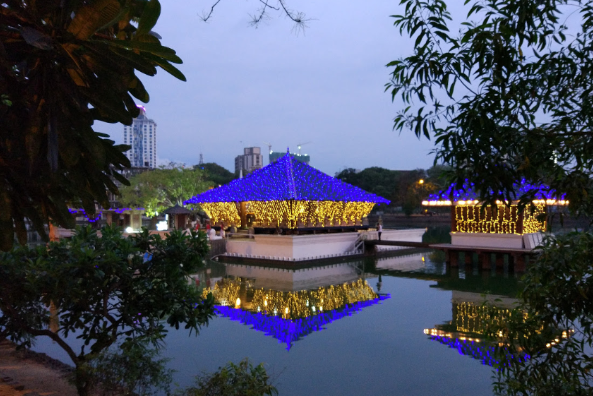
[[162, 188], [134, 370], [390, 184], [106, 290], [241, 379], [64, 65], [415, 194], [437, 175], [508, 98], [216, 173]]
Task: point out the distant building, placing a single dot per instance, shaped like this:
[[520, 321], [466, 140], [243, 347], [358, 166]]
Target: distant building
[[141, 135], [251, 160], [275, 155]]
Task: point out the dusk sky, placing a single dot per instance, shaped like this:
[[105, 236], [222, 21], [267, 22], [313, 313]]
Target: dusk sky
[[247, 86]]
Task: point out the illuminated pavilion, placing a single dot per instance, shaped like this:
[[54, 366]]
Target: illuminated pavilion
[[503, 225], [288, 194]]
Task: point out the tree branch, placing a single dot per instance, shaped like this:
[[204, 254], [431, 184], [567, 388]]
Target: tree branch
[[205, 17]]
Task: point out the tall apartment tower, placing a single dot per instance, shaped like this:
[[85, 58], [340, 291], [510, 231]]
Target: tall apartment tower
[[141, 135], [249, 161]]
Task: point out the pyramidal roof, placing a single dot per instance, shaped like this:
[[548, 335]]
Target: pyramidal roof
[[287, 179]]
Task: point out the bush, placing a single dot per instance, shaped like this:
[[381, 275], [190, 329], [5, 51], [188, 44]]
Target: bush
[[233, 380]]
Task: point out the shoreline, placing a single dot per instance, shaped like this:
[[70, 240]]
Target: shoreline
[[28, 373]]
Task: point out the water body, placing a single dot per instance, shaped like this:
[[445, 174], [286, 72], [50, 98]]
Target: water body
[[413, 338], [400, 325]]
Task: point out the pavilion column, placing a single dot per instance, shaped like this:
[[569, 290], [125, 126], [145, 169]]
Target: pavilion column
[[243, 214]]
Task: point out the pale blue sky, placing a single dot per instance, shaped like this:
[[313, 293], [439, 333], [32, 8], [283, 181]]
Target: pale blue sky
[[248, 86]]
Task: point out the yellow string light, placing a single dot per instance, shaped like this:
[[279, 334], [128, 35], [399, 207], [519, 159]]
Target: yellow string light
[[470, 218], [293, 305], [292, 213], [470, 318], [222, 211]]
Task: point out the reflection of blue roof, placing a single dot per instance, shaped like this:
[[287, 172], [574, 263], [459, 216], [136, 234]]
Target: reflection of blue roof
[[287, 179], [486, 353], [467, 192], [288, 330]]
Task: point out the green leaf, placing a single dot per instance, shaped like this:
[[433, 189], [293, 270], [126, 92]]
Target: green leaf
[[150, 15], [152, 48]]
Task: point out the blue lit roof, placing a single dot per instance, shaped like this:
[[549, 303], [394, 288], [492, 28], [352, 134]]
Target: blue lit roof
[[487, 353], [288, 331], [468, 192], [287, 179]]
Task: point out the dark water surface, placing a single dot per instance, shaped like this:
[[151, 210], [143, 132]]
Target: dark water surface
[[377, 347]]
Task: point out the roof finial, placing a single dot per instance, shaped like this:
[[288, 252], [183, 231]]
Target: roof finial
[[288, 150]]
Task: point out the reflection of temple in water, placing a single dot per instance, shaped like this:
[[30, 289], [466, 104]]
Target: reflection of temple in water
[[465, 331], [290, 304]]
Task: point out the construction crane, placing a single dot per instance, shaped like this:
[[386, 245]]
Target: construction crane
[[269, 147], [301, 144]]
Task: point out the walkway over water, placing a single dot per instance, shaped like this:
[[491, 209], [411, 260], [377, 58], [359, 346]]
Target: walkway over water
[[516, 258]]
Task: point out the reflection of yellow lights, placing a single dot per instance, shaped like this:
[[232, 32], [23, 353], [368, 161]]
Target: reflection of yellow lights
[[297, 304]]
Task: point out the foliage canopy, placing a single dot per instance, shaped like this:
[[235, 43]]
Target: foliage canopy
[[159, 189], [509, 98], [64, 65], [241, 379], [105, 289], [216, 173]]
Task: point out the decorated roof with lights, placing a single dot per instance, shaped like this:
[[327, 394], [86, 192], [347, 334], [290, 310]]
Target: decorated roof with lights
[[467, 194], [287, 179], [288, 331]]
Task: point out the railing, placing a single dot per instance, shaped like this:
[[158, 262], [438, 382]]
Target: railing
[[217, 247]]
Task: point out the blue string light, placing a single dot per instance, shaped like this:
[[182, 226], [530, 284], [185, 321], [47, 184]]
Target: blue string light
[[487, 354], [288, 331], [287, 179], [97, 216], [467, 192]]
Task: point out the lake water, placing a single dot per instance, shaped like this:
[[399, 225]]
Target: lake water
[[405, 333]]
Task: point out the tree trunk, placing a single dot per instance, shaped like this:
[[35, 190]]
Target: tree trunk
[[82, 379]]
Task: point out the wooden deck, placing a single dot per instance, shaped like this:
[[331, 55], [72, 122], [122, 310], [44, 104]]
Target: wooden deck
[[516, 257], [375, 242]]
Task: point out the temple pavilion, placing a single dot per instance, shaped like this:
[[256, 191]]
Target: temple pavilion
[[287, 194], [503, 225]]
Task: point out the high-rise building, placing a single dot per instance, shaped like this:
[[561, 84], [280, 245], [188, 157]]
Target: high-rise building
[[249, 161], [275, 155], [141, 135]]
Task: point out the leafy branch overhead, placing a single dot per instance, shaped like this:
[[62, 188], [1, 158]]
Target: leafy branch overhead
[[506, 97], [63, 66]]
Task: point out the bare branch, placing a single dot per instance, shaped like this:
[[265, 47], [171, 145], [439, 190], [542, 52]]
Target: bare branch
[[299, 18], [265, 3], [204, 17]]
